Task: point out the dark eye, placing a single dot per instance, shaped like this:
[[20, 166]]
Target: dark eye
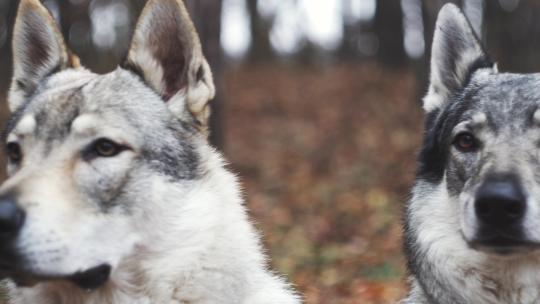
[[466, 142], [14, 152], [107, 148]]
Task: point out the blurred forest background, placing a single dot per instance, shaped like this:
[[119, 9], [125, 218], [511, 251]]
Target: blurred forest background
[[318, 111]]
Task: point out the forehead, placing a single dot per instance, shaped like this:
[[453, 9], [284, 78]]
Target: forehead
[[502, 98], [118, 98]]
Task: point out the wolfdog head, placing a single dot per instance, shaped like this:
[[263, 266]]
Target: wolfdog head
[[472, 227], [479, 181], [89, 155]]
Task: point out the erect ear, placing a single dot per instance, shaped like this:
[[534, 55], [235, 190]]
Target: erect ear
[[456, 54], [167, 53], [38, 51]]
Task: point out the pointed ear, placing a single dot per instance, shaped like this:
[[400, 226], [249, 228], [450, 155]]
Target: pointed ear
[[456, 54], [38, 51], [167, 53]]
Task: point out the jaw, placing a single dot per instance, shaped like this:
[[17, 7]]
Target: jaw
[[88, 279], [85, 261], [502, 246]]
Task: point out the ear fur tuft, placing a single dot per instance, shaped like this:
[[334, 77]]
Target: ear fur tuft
[[456, 55], [167, 54], [38, 51]]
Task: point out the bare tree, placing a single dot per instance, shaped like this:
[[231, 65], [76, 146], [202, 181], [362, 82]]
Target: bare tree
[[389, 30], [261, 48], [513, 34], [76, 17], [351, 30], [8, 11]]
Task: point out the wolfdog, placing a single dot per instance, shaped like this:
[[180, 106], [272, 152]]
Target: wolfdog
[[472, 226], [113, 193]]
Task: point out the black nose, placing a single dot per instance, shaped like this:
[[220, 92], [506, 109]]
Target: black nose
[[500, 203], [11, 218]]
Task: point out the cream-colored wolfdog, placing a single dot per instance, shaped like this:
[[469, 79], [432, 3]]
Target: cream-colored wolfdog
[[114, 194]]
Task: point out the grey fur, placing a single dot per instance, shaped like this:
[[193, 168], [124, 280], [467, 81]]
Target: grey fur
[[152, 215], [168, 149], [501, 111]]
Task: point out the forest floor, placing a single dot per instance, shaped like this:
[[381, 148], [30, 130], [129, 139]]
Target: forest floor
[[326, 157]]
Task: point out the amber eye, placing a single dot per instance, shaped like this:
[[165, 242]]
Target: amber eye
[[14, 152], [465, 142], [107, 148]]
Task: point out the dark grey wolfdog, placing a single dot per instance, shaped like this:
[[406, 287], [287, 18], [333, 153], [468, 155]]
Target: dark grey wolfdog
[[472, 226], [114, 194]]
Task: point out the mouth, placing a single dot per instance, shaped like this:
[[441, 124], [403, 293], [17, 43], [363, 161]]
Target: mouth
[[89, 279], [503, 245], [92, 278]]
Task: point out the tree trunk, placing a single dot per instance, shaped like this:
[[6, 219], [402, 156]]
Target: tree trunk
[[389, 31], [261, 48], [7, 19], [78, 15], [348, 49], [513, 35]]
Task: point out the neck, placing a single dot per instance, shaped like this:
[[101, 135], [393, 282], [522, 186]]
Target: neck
[[205, 253]]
